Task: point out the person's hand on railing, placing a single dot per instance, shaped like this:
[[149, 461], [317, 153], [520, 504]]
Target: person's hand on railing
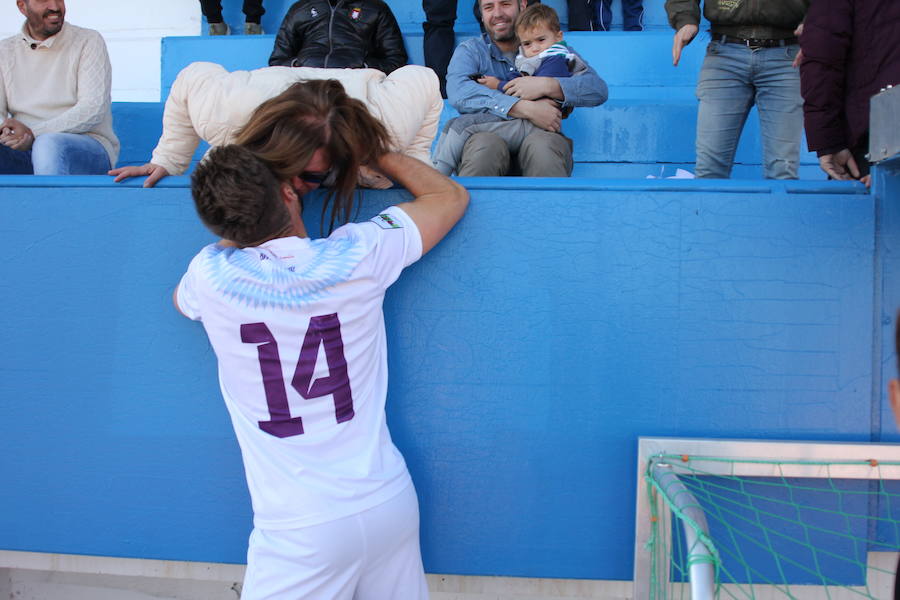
[[153, 172]]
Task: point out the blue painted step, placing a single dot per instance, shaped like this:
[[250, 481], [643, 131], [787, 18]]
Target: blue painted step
[[639, 61], [609, 138]]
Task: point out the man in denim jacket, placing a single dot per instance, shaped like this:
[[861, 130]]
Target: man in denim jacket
[[540, 100]]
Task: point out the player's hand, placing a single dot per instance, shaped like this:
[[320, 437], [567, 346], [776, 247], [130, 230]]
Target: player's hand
[[372, 178], [153, 172], [491, 82], [544, 113], [531, 88], [683, 37], [839, 165]]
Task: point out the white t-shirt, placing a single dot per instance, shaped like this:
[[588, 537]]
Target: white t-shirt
[[298, 329]]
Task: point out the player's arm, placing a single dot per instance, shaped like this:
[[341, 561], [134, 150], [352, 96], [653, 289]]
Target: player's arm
[[438, 203]]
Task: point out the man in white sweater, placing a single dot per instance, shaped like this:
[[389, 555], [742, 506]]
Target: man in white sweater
[[55, 97]]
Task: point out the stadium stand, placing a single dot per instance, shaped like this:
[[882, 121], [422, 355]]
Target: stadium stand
[[646, 128]]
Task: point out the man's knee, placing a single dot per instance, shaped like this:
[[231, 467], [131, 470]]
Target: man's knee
[[68, 154], [546, 154], [48, 154], [484, 155]]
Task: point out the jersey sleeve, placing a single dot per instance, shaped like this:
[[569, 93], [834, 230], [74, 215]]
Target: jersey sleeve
[[398, 244], [186, 292]]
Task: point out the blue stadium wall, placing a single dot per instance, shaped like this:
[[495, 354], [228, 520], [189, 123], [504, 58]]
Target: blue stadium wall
[[558, 322]]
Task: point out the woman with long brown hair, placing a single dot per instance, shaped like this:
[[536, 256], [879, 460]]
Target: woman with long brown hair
[[286, 131]]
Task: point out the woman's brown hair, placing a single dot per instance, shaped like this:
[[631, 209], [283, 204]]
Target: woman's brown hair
[[286, 130]]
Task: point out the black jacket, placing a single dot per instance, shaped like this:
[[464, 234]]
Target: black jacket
[[351, 34], [764, 19]]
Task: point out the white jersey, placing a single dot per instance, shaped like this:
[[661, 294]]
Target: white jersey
[[298, 329]]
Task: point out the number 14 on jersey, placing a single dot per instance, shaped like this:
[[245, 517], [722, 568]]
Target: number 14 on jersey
[[324, 330]]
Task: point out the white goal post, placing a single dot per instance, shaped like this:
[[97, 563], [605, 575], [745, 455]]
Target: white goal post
[[778, 459]]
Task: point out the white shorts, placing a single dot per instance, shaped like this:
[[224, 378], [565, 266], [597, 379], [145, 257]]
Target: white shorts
[[373, 555]]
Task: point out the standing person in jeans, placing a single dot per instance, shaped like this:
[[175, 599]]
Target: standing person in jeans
[[752, 59], [253, 12], [55, 106], [596, 15], [540, 100]]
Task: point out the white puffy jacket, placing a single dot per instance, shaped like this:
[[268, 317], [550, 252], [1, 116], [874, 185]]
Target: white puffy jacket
[[207, 102]]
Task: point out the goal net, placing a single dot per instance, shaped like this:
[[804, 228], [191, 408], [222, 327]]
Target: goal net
[[767, 520]]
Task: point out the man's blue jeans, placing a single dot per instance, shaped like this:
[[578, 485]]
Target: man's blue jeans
[[734, 78], [56, 154]]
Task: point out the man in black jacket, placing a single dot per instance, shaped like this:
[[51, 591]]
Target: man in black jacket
[[339, 34]]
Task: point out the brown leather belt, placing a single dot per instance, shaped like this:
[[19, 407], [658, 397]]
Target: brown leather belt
[[752, 43]]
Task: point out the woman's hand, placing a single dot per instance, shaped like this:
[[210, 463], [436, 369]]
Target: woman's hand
[[153, 172]]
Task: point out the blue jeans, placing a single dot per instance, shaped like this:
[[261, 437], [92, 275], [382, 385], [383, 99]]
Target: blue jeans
[[734, 78], [56, 154]]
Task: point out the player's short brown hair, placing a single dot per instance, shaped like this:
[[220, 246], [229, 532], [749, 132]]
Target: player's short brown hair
[[286, 130], [538, 15], [238, 197]]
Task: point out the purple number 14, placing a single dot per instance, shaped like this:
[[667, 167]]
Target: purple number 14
[[324, 330]]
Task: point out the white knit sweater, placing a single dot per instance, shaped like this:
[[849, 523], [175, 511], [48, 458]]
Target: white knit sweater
[[59, 85]]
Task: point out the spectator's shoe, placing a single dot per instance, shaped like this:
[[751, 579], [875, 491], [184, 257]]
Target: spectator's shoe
[[252, 29], [219, 29]]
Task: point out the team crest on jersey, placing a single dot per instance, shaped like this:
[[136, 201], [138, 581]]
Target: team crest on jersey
[[386, 221], [354, 14]]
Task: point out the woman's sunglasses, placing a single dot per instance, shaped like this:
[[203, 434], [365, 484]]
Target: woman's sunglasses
[[317, 177]]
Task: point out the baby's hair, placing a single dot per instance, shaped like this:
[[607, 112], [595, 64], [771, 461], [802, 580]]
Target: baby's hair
[[538, 15]]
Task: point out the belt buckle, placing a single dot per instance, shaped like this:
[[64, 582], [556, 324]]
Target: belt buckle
[[754, 44]]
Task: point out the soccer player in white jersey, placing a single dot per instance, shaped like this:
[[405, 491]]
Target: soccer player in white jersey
[[298, 329]]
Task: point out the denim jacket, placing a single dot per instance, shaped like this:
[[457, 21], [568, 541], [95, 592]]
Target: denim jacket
[[482, 56]]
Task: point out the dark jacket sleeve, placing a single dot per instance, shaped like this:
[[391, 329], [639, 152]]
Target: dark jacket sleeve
[[826, 40], [683, 12], [286, 44], [388, 52], [553, 66]]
